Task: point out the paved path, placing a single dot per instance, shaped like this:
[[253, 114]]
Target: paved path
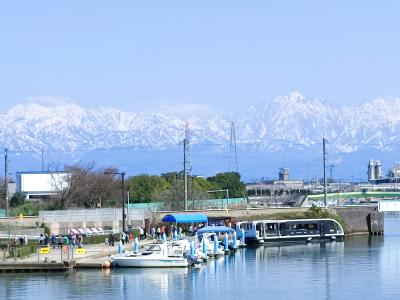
[[95, 252]]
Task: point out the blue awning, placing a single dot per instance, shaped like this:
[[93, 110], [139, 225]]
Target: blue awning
[[185, 218], [214, 229]]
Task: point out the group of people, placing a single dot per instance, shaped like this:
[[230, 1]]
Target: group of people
[[61, 240], [126, 237], [158, 233], [19, 241]]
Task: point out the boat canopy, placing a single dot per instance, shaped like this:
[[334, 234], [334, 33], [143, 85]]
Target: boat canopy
[[214, 229], [185, 218]]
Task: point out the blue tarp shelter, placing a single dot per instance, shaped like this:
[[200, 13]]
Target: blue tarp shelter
[[185, 218], [215, 229]]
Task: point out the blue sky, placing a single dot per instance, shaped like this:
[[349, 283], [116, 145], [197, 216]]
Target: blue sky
[[218, 55]]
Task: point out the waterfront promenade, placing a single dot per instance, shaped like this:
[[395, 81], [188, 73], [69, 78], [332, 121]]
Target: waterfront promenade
[[89, 256]]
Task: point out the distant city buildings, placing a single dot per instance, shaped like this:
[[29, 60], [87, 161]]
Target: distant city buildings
[[282, 183], [375, 173]]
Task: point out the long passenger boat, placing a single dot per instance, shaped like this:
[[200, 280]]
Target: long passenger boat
[[306, 230]]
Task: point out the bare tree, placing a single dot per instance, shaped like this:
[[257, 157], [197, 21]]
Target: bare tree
[[88, 188]]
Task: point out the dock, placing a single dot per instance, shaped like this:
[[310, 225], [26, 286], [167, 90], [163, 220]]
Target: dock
[[19, 267]]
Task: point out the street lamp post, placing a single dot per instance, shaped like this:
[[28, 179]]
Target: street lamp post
[[123, 194]]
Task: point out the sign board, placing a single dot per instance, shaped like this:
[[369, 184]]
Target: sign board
[[45, 250], [81, 251]]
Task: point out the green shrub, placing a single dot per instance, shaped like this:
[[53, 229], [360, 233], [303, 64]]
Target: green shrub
[[27, 209]]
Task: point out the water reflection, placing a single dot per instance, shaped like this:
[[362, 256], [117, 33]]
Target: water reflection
[[359, 267]]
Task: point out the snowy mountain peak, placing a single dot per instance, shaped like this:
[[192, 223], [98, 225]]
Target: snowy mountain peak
[[293, 119]]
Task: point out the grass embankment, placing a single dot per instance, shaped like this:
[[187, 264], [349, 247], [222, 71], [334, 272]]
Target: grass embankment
[[313, 213]]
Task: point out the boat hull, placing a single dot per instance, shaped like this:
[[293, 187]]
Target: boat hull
[[139, 262]]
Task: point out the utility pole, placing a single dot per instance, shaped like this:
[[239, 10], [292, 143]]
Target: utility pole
[[123, 201], [122, 192], [185, 173], [232, 147], [127, 209], [325, 179], [186, 162], [6, 181]]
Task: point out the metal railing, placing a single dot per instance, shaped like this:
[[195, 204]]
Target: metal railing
[[91, 215]]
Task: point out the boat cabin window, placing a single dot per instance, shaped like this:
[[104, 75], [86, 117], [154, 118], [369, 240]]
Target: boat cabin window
[[333, 227], [245, 226], [271, 229], [271, 226], [337, 226], [311, 226]]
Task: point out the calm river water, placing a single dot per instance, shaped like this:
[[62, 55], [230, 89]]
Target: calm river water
[[358, 268]]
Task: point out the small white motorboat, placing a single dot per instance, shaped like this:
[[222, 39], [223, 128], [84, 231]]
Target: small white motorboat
[[157, 255]]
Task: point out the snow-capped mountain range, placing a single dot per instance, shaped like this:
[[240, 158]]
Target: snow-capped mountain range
[[286, 131], [288, 121]]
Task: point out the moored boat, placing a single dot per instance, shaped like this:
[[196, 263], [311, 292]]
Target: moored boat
[[305, 230], [156, 255]]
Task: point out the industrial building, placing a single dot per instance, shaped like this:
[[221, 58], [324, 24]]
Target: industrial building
[[374, 170], [41, 184], [375, 173], [285, 182]]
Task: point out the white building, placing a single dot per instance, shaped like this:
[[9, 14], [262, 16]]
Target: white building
[[41, 184]]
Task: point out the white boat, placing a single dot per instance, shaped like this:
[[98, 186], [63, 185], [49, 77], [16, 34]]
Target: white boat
[[209, 238], [157, 255]]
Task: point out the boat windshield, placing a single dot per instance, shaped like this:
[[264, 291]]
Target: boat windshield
[[153, 248]]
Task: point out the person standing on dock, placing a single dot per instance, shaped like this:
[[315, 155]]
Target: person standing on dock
[[111, 239], [41, 240], [122, 237], [158, 232], [126, 238], [141, 233]]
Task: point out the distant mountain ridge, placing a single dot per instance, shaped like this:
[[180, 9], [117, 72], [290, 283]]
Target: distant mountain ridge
[[288, 121]]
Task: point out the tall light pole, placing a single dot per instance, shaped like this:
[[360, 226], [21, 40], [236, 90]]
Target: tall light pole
[[123, 194], [6, 182], [185, 173], [127, 210], [325, 179]]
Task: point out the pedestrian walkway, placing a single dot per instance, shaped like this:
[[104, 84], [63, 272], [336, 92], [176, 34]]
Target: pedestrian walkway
[[88, 252]]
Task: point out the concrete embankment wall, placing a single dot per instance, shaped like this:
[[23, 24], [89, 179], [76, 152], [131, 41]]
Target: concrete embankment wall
[[361, 219]]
